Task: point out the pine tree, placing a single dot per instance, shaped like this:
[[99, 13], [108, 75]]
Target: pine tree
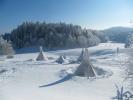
[[53, 35]]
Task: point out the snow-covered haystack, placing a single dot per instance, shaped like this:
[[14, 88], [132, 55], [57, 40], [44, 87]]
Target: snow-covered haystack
[[81, 56], [41, 57], [61, 60], [79, 59], [85, 68]]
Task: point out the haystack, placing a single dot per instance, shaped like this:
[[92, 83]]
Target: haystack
[[85, 69], [61, 60], [80, 56], [41, 57]]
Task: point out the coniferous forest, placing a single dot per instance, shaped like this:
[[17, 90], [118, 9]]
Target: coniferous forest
[[53, 35]]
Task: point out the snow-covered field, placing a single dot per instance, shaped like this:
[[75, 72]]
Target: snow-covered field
[[22, 76]]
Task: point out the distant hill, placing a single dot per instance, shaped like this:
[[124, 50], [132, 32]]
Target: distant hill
[[118, 34], [119, 29]]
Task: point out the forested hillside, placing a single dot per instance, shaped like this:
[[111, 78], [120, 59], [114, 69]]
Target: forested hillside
[[118, 34], [54, 35], [62, 35]]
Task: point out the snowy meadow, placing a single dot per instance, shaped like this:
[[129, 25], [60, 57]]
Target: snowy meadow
[[24, 78]]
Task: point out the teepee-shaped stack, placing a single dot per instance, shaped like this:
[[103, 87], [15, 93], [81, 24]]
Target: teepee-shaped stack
[[61, 60], [40, 56], [85, 68], [81, 56]]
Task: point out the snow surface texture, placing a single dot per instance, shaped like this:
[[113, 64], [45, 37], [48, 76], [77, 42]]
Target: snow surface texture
[[24, 78]]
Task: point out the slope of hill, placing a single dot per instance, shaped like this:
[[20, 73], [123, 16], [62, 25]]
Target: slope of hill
[[118, 34]]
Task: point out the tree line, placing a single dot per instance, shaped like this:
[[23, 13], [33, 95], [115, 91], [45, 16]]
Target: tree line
[[53, 35]]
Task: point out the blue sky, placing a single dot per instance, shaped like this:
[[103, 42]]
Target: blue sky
[[95, 14]]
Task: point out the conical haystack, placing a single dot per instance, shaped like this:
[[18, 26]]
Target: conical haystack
[[85, 68], [81, 56], [61, 60], [41, 57]]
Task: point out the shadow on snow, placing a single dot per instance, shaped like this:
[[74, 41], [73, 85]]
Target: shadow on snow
[[66, 78]]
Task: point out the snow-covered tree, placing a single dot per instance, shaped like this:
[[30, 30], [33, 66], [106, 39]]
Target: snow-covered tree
[[85, 68], [129, 42], [82, 41], [6, 47]]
